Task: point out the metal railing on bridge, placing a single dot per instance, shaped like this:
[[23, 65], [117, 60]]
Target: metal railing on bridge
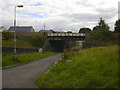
[[65, 34]]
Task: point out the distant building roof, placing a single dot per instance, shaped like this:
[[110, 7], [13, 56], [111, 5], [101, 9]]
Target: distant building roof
[[2, 28], [46, 31], [22, 28]]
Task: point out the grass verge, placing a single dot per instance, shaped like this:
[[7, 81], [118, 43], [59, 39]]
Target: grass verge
[[20, 43], [7, 60], [88, 68]]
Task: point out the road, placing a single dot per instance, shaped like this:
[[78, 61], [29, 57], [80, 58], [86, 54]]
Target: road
[[23, 76]]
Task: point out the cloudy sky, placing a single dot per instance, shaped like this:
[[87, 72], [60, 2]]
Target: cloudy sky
[[59, 15]]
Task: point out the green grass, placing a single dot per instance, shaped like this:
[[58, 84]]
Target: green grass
[[0, 59], [7, 60], [88, 68], [19, 42]]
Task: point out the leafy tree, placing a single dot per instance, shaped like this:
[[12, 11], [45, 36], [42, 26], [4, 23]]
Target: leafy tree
[[6, 35], [69, 31], [84, 30], [96, 28], [101, 25], [38, 40], [102, 36], [52, 31], [117, 26]]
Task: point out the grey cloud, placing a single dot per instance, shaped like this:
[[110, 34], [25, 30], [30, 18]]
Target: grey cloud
[[84, 3], [108, 10], [60, 24], [57, 24], [119, 10], [66, 21], [90, 17]]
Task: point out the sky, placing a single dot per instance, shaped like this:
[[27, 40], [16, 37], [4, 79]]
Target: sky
[[59, 15]]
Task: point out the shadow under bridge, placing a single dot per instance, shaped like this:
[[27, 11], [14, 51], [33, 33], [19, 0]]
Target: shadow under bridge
[[58, 42]]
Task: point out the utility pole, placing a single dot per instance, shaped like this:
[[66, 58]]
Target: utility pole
[[20, 6], [44, 26]]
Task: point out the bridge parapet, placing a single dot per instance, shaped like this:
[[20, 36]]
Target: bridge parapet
[[65, 34]]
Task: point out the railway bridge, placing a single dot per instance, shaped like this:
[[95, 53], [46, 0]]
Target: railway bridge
[[58, 42], [66, 36]]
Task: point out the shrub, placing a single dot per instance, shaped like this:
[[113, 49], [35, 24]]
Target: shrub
[[38, 40], [102, 36], [6, 35], [84, 30]]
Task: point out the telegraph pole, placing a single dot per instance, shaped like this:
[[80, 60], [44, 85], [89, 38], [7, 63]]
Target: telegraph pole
[[20, 6], [44, 26]]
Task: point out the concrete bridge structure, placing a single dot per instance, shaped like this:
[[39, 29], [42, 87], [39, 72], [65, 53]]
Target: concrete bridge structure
[[66, 36], [59, 42]]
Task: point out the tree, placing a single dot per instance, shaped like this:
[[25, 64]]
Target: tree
[[38, 40], [117, 26], [84, 30], [6, 35], [52, 31], [69, 31], [96, 28], [102, 36], [101, 25]]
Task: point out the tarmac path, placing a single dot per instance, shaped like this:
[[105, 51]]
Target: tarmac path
[[23, 76]]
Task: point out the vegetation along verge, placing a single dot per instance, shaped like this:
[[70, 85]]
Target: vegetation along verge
[[87, 68], [7, 59]]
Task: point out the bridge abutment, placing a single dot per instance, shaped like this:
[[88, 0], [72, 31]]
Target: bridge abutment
[[58, 42]]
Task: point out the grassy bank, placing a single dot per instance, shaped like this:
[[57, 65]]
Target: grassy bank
[[88, 68], [7, 60], [20, 43], [23, 39]]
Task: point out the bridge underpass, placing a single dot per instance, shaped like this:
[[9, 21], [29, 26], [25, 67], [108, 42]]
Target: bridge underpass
[[58, 42], [57, 46]]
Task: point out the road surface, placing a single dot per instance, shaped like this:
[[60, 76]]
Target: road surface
[[23, 76]]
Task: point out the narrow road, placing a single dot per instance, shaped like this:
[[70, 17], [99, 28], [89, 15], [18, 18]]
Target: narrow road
[[23, 76]]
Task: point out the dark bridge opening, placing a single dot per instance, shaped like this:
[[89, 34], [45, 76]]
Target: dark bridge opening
[[60, 41], [58, 46]]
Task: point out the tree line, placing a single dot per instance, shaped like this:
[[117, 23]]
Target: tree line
[[101, 33], [102, 25]]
